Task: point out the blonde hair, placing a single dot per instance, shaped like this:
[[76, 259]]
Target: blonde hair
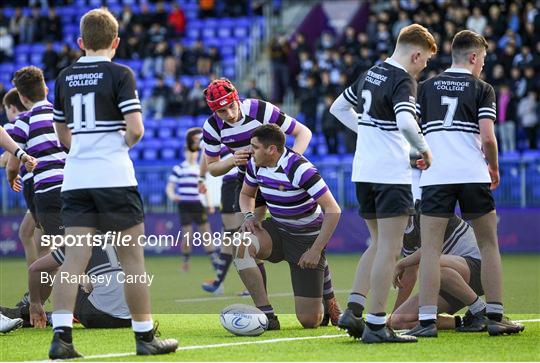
[[416, 34]]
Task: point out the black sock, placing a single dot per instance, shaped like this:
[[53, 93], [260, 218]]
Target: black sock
[[494, 316], [186, 257], [146, 336], [224, 263], [458, 321], [268, 310], [356, 308], [263, 273], [64, 332], [427, 322], [376, 327]]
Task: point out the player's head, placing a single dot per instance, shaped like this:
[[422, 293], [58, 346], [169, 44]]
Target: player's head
[[222, 98], [469, 51], [99, 31], [267, 144], [193, 139], [415, 45], [30, 84], [12, 104]]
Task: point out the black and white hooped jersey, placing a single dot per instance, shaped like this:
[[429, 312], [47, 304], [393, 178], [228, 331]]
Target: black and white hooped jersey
[[382, 152], [107, 297], [450, 106], [92, 96]]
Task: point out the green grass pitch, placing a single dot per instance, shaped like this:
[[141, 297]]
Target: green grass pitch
[[191, 315]]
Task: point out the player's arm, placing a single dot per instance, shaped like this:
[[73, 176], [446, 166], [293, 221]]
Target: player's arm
[[134, 128], [203, 169], [170, 192], [302, 137], [408, 280], [13, 148], [64, 134], [45, 264], [247, 200], [344, 110], [12, 173], [332, 212], [490, 148]]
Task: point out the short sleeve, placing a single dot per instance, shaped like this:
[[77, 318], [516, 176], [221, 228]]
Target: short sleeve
[[251, 178], [351, 92], [268, 113], [404, 95], [58, 106], [174, 177], [305, 175], [20, 133], [128, 99], [487, 106], [211, 138], [420, 97]]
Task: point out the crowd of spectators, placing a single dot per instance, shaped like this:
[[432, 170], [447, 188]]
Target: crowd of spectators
[[318, 74]]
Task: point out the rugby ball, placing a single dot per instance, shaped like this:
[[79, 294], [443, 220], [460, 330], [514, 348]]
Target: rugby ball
[[243, 320]]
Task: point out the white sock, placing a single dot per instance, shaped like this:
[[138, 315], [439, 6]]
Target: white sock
[[357, 298], [62, 318], [376, 320], [428, 312], [477, 306], [142, 326], [494, 308]]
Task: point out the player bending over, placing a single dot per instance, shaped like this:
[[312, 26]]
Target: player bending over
[[296, 232]]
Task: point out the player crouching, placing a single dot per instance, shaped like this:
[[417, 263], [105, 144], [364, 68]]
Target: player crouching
[[296, 232]]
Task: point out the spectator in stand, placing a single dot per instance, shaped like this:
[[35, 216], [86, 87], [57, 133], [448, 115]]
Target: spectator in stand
[[50, 61], [518, 84], [197, 104], [349, 44], [50, 26], [160, 15], [136, 43], [523, 58], [145, 18], [330, 126], [177, 20], [309, 98], [477, 22], [253, 91], [506, 127], [125, 20], [6, 45], [17, 25], [532, 80], [528, 115], [177, 99], [157, 102], [279, 52], [403, 21], [207, 8], [154, 63], [31, 31], [65, 57]]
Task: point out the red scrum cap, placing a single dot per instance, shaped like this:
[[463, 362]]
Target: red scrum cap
[[220, 93]]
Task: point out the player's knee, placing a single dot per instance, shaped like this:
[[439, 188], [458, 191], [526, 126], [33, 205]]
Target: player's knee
[[244, 256], [396, 321], [26, 234], [447, 274], [309, 321]]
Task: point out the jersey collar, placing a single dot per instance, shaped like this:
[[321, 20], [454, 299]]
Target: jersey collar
[[458, 70], [92, 59], [394, 63], [44, 102]]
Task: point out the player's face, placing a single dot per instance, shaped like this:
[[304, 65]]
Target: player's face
[[229, 113], [422, 58], [259, 152], [479, 65], [10, 113]]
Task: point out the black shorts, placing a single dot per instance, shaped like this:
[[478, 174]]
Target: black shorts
[[475, 200], [107, 209], [90, 317], [290, 247], [28, 192], [228, 195], [192, 212], [475, 283], [384, 200], [48, 212], [259, 199]]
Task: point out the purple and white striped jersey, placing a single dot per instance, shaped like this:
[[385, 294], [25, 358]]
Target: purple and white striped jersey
[[24, 174], [34, 132], [225, 154], [186, 178], [238, 135], [291, 190]]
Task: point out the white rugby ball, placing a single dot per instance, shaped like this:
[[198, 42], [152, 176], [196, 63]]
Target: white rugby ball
[[243, 320]]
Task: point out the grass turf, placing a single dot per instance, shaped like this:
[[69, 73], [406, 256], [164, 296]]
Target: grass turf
[[191, 315]]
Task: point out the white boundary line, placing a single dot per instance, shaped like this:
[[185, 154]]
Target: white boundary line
[[228, 297], [265, 341]]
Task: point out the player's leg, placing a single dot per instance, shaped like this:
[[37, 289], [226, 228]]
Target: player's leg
[[332, 311], [260, 214], [478, 207], [201, 219], [406, 315], [26, 235], [308, 302]]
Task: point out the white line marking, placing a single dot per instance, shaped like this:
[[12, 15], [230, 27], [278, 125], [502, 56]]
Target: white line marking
[[224, 345], [228, 297]]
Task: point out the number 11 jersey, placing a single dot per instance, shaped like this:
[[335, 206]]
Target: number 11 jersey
[[450, 106], [91, 97], [382, 152]]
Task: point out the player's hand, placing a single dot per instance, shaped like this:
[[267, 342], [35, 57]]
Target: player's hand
[[15, 183], [29, 162], [175, 198], [426, 160], [250, 225], [398, 274], [241, 157], [202, 187], [495, 177], [310, 258], [37, 315], [211, 210], [87, 287]]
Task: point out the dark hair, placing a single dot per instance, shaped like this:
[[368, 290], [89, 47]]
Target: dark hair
[[190, 134], [465, 42], [270, 134], [11, 98], [98, 29], [30, 83]]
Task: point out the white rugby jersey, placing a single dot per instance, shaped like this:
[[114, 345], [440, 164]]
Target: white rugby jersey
[[92, 96], [382, 152], [450, 106], [186, 178]]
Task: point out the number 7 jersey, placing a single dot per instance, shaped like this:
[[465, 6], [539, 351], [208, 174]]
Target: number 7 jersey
[[450, 106], [91, 97]]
